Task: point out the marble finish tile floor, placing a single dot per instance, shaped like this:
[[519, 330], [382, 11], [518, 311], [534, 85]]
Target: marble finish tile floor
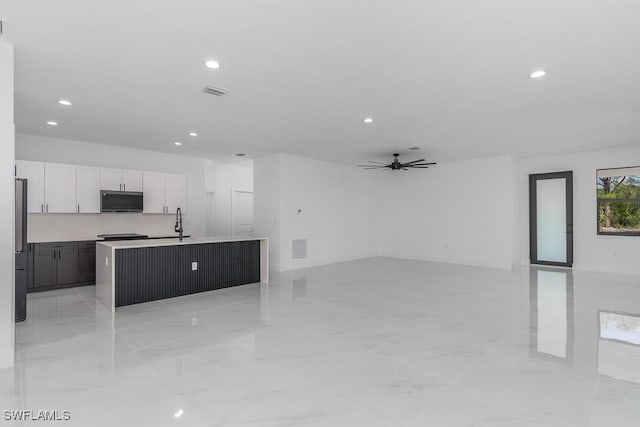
[[375, 342]]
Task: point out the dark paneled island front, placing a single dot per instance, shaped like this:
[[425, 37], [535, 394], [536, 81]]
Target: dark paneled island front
[[137, 271]]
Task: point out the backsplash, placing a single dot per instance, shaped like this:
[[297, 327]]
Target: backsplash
[[63, 227]]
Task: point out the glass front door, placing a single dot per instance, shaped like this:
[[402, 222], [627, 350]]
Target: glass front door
[[551, 218]]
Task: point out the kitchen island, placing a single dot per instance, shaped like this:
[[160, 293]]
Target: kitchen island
[[136, 271]]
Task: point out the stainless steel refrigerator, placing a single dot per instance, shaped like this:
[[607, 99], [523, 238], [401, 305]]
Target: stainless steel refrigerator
[[22, 259]]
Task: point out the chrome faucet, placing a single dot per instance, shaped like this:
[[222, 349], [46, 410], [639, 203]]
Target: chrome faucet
[[178, 227]]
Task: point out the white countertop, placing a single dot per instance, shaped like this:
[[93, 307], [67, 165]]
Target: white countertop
[[129, 244], [78, 238]]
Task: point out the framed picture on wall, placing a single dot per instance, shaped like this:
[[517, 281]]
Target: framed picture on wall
[[618, 193]]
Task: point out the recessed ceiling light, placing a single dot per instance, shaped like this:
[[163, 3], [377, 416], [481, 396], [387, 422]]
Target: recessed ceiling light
[[178, 414], [178, 143], [213, 64], [64, 102], [52, 123], [240, 154], [193, 134], [368, 120], [537, 74]]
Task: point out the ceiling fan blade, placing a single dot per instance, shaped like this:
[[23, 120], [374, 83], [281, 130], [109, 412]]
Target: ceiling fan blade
[[419, 167], [422, 164], [374, 167], [379, 163], [415, 161]]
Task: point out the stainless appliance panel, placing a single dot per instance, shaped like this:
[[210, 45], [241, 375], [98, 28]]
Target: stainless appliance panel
[[21, 257], [121, 201]]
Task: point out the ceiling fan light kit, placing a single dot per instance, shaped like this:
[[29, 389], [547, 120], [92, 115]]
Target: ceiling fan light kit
[[396, 165]]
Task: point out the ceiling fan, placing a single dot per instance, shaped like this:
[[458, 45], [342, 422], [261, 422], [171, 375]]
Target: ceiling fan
[[396, 165]]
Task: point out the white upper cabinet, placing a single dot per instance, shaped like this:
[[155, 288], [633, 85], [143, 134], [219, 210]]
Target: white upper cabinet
[[59, 188], [120, 180], [154, 192], [164, 193], [175, 190], [88, 189], [131, 180], [33, 172], [110, 179]]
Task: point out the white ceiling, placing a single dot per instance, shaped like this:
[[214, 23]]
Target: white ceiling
[[447, 75]]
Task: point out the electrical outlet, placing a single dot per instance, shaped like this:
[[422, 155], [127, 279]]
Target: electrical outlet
[[194, 266]]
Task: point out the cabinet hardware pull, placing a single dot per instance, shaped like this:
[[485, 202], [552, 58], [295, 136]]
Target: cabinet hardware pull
[[42, 207], [47, 207], [78, 208]]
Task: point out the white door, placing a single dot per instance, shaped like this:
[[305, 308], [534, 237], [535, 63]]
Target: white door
[[241, 213], [175, 189], [88, 189], [153, 193], [131, 180], [110, 179], [59, 188], [211, 213], [33, 172]]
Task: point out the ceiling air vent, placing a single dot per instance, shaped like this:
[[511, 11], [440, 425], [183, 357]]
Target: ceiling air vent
[[215, 90]]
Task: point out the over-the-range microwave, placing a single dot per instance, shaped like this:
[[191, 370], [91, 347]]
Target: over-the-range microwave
[[120, 201]]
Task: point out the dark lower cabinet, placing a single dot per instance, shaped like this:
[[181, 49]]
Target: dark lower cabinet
[[61, 264], [44, 265], [87, 262], [67, 263]]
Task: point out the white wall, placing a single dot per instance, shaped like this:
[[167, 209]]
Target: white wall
[[620, 254], [336, 218], [7, 199], [39, 148], [460, 212], [267, 205]]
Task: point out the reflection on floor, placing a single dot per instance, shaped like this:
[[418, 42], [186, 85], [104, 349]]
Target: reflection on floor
[[377, 342]]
